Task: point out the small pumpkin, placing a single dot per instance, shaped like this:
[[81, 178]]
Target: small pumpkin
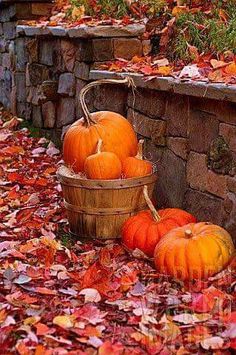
[[81, 139], [136, 166], [102, 165], [145, 229], [194, 251]]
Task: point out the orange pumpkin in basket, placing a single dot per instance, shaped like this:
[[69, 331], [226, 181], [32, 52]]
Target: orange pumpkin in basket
[[194, 251], [81, 139], [102, 165], [136, 166], [144, 230]]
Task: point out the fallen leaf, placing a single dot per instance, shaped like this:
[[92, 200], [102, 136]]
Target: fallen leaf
[[212, 343], [91, 295]]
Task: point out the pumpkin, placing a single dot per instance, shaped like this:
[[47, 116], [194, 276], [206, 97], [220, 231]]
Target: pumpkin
[[81, 139], [102, 165], [145, 229], [136, 166], [194, 251]]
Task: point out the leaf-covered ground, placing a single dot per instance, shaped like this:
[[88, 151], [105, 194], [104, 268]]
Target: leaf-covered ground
[[59, 296]]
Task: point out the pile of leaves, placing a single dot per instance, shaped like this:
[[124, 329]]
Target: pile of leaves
[[59, 296], [205, 68]]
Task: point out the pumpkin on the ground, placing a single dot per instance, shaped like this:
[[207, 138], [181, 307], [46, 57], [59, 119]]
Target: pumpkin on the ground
[[145, 229], [81, 139], [102, 165], [136, 166], [194, 251]]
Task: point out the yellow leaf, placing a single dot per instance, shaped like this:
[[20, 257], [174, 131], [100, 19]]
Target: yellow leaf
[[78, 12], [64, 321], [32, 320]]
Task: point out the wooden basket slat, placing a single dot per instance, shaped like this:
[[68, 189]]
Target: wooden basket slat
[[97, 209]]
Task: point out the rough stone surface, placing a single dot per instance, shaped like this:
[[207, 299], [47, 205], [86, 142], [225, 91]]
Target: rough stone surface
[[20, 87], [66, 84], [68, 52], [171, 172], [46, 52], [132, 30], [127, 48], [32, 50], [49, 114], [177, 114], [6, 60], [3, 45], [7, 13], [179, 146], [231, 183], [37, 117], [49, 89], [144, 125], [21, 57], [197, 171], [149, 102], [229, 133], [205, 207], [37, 73], [229, 220], [224, 111], [102, 49], [9, 29], [24, 110], [89, 98], [200, 178], [111, 98], [84, 51], [82, 70], [65, 112], [203, 128]]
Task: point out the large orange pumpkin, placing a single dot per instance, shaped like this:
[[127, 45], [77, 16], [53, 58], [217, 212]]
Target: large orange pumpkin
[[194, 251], [102, 165], [144, 230], [116, 132], [136, 166]]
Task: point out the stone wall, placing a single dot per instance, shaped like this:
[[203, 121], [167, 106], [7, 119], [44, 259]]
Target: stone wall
[[12, 54], [192, 142]]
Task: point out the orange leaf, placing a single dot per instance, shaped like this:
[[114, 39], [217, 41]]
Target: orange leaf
[[108, 348], [178, 10], [216, 64], [41, 329], [22, 348], [45, 291], [230, 69], [216, 76]]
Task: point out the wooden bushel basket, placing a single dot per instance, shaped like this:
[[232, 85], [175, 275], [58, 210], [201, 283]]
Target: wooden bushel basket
[[98, 208]]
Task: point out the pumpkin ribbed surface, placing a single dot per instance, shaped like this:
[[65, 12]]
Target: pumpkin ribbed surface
[[81, 139], [194, 251], [142, 231], [134, 167]]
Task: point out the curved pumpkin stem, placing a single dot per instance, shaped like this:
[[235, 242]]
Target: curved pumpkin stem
[[127, 80], [140, 149], [154, 212], [99, 146]]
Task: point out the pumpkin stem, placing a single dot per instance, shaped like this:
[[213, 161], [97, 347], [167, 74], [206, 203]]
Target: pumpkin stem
[[140, 149], [87, 116], [188, 233], [154, 212], [99, 146]]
